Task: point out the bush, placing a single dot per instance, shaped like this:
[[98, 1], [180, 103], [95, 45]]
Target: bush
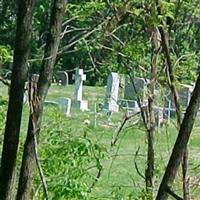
[[70, 161]]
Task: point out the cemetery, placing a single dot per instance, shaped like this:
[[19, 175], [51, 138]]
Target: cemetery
[[100, 115]]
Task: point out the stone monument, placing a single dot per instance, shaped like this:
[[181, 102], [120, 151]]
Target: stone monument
[[78, 102], [112, 92]]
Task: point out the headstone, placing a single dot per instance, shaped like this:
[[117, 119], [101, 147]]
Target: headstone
[[78, 101], [135, 88], [62, 78], [112, 93], [65, 105], [51, 103], [185, 93], [95, 115]]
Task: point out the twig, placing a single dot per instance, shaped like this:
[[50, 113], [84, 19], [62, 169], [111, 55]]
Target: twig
[[115, 136], [170, 192], [135, 163], [96, 179], [5, 82], [42, 177]]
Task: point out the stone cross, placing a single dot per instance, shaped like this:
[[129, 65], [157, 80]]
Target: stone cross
[[78, 101]]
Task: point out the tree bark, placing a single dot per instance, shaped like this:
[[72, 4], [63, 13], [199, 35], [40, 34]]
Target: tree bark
[[149, 173], [14, 113], [37, 99], [181, 143], [171, 82]]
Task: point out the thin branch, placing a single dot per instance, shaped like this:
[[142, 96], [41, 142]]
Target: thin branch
[[5, 82], [42, 177], [96, 179], [115, 136], [91, 58], [170, 192], [135, 163], [86, 35]]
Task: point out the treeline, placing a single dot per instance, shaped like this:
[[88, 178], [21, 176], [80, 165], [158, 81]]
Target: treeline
[[104, 36]]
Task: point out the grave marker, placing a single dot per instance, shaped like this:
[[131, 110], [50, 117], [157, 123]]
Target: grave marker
[[65, 105], [112, 93], [62, 78], [78, 102]]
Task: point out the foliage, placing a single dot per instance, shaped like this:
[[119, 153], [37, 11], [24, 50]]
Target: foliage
[[127, 39], [3, 106], [70, 161], [5, 54]]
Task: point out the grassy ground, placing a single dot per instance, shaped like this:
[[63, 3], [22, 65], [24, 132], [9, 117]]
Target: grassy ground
[[119, 178]]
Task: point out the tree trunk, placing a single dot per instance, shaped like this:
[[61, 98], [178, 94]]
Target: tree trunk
[[171, 82], [181, 143], [151, 112], [37, 99], [14, 113]]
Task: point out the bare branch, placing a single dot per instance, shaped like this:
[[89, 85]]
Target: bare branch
[[135, 163], [4, 81], [116, 135], [170, 192]]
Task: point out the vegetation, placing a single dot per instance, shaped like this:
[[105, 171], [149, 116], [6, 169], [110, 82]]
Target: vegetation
[[119, 179]]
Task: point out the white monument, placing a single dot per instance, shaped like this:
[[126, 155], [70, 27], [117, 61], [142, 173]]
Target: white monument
[[112, 92], [65, 105], [78, 102]]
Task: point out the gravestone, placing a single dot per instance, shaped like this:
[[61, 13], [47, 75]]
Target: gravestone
[[78, 101], [62, 78], [112, 92], [51, 103], [65, 105], [185, 93], [133, 91]]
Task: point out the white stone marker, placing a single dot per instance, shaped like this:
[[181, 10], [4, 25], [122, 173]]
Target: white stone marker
[[78, 102], [112, 92], [65, 105]]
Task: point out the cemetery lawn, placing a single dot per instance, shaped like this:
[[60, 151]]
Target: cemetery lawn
[[119, 178]]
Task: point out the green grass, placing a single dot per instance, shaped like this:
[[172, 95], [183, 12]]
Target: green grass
[[119, 177]]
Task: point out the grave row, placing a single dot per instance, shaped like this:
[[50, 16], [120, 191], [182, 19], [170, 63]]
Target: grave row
[[135, 89]]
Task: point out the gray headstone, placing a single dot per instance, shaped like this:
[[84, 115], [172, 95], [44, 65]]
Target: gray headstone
[[185, 93], [65, 105], [62, 78], [133, 91], [51, 103], [112, 92]]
